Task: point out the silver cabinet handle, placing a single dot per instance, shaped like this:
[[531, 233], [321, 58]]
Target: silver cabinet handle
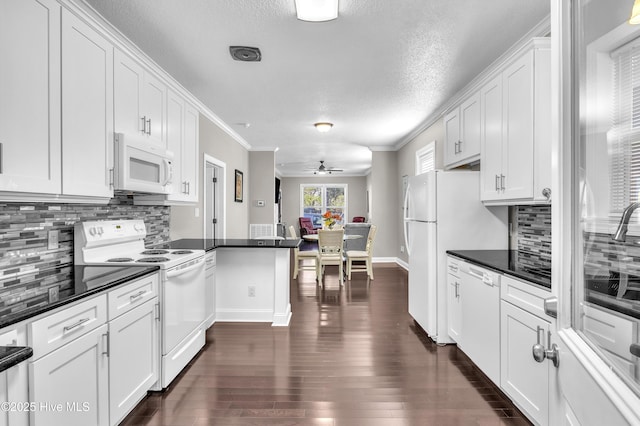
[[144, 124], [497, 183], [634, 349], [157, 309], [459, 147], [77, 324], [502, 177], [457, 286], [188, 188], [540, 353], [111, 178], [105, 343], [137, 295], [149, 123]]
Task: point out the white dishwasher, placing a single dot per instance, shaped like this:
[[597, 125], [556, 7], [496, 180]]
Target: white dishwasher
[[480, 300]]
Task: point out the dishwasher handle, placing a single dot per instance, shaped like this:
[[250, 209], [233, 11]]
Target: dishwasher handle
[[485, 277]]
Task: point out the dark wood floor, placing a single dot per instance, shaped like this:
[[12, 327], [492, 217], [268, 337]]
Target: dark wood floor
[[351, 356]]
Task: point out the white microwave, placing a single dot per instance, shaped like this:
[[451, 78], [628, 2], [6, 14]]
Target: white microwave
[[142, 167]]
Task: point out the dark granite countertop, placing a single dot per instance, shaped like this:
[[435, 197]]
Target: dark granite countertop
[[86, 281], [12, 355], [510, 262], [209, 244]]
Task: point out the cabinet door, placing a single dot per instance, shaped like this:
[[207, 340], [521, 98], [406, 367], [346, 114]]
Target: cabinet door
[[190, 152], [523, 379], [451, 137], [73, 383], [14, 382], [454, 309], [517, 145], [87, 110], [128, 76], [491, 139], [132, 372], [469, 147], [210, 289], [175, 134], [154, 97], [30, 96]]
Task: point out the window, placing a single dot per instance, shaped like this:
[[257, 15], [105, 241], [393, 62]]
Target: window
[[317, 199], [624, 136], [426, 158]]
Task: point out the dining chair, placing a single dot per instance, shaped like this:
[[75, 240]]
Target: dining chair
[[362, 256], [330, 251], [302, 255]]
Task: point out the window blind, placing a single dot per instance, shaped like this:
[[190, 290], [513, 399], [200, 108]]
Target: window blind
[[425, 159], [624, 137]]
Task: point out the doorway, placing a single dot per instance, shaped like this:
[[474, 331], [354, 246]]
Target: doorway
[[214, 198]]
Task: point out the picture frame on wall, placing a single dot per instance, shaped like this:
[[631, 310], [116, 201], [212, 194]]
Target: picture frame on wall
[[238, 187]]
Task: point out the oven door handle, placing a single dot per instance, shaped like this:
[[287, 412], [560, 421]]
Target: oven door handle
[[176, 272]]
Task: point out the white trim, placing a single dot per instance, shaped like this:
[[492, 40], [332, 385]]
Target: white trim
[[401, 263], [212, 160]]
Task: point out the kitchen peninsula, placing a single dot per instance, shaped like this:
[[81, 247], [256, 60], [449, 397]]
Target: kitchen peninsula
[[252, 278]]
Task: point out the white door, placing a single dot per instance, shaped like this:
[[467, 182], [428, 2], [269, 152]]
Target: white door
[[452, 136], [154, 96], [591, 388], [470, 127], [30, 143], [175, 134], [491, 139], [214, 198], [87, 110], [128, 76], [190, 152]]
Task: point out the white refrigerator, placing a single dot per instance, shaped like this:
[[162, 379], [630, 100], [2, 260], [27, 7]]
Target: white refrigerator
[[443, 211]]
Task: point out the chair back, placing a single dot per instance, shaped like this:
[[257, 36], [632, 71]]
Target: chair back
[[330, 242], [358, 219], [370, 238], [292, 233], [306, 226]]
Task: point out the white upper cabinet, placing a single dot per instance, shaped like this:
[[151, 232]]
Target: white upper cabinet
[[462, 133], [515, 130], [140, 100], [87, 110], [30, 96], [190, 152]]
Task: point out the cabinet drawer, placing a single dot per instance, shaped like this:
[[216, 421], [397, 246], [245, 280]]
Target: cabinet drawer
[[55, 330], [134, 294], [525, 296], [611, 332], [210, 259], [453, 266]]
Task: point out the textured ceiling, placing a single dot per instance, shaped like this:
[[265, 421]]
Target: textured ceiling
[[377, 72]]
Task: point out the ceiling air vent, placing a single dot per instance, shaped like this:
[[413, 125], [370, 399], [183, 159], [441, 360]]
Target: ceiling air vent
[[245, 53]]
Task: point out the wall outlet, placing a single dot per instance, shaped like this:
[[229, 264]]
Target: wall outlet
[[53, 294], [401, 249], [252, 291], [52, 242]]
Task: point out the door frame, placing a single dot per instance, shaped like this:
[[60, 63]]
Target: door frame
[[588, 372], [209, 160]]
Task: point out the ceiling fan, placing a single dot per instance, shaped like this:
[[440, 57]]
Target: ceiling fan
[[323, 170]]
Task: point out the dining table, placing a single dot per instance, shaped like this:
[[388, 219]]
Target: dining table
[[314, 237]]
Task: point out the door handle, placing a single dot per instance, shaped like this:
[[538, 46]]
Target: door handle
[[497, 183], [144, 123], [149, 123], [502, 182]]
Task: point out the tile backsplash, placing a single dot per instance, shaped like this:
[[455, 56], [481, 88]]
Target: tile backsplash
[[28, 268], [533, 227]]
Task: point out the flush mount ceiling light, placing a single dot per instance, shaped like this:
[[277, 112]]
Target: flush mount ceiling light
[[323, 127], [635, 13], [316, 10]]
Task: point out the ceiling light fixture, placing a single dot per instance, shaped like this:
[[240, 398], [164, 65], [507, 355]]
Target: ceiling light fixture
[[316, 10], [324, 127]]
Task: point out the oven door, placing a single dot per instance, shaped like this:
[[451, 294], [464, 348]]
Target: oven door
[[183, 302], [141, 167]]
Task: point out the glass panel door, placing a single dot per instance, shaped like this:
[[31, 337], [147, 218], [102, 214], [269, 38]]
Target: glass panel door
[[606, 292]]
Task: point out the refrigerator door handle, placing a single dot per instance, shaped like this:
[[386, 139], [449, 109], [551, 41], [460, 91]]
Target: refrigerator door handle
[[406, 217]]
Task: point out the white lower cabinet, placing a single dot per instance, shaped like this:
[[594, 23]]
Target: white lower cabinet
[[210, 289], [454, 308], [133, 358], [95, 360], [523, 379], [69, 386], [14, 382]]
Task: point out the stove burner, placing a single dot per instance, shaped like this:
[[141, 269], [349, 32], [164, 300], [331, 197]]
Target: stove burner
[[120, 259], [181, 252], [153, 259], [155, 252]]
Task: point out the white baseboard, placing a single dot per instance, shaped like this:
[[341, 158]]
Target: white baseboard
[[401, 263], [233, 315]]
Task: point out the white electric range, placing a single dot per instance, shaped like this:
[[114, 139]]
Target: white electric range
[[182, 284]]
